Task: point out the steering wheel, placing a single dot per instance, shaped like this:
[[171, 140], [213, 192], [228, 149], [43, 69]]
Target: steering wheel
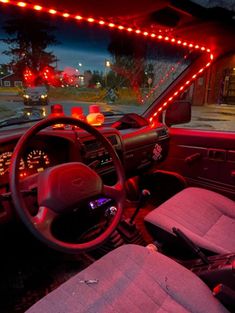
[[63, 187]]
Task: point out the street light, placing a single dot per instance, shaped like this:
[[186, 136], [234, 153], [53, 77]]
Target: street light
[[107, 65]]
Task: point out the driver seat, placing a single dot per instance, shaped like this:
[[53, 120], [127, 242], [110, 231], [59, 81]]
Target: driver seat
[[131, 279]]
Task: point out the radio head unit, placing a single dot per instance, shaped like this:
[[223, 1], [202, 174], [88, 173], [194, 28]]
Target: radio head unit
[[95, 151]]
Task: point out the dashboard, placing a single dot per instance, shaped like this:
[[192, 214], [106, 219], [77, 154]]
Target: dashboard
[[38, 156], [36, 160], [138, 150]]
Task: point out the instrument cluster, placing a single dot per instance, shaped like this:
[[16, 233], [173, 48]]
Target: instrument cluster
[[35, 161]]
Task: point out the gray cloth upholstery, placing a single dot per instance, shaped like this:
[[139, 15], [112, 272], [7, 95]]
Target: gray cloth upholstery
[[206, 217], [131, 279]]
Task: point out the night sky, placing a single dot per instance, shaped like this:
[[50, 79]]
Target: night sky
[[76, 45], [83, 44]]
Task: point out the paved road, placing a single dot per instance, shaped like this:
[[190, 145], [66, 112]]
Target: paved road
[[211, 117]]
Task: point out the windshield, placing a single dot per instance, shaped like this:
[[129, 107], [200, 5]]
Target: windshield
[[36, 89], [46, 61]]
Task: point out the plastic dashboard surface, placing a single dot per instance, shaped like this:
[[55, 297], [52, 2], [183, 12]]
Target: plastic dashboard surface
[[136, 149], [52, 147]]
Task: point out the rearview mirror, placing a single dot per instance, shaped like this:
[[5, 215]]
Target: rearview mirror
[[178, 113]]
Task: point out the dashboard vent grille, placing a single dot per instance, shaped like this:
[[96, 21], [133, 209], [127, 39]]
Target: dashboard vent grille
[[162, 132]]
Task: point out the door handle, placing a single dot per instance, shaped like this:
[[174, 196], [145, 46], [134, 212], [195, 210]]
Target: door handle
[[192, 158]]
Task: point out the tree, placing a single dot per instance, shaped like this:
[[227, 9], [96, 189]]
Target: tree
[[96, 77], [128, 61], [29, 36]]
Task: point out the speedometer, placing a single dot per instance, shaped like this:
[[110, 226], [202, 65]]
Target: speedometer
[[38, 160], [5, 161]]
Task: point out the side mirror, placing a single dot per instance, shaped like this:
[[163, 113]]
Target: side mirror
[[178, 113]]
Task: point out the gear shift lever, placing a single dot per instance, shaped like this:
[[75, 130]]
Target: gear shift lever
[[145, 194], [128, 229]]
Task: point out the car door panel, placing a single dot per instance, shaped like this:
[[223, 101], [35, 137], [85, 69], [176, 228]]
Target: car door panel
[[206, 159]]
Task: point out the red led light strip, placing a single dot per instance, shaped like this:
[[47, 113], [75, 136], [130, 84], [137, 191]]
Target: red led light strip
[[163, 79], [140, 32], [178, 91]]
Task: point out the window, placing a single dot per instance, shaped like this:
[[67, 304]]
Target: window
[[7, 83], [18, 83], [213, 98]]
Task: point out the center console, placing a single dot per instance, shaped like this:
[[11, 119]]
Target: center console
[[96, 154], [138, 149]]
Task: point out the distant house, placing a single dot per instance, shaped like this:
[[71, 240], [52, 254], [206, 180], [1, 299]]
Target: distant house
[[11, 80]]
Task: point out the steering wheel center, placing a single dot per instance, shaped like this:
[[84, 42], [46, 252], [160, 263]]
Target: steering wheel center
[[64, 186]]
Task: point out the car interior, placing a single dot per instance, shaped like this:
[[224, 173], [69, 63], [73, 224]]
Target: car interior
[[124, 210]]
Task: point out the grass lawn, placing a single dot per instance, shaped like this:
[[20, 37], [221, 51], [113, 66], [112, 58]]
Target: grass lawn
[[124, 96], [10, 90]]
